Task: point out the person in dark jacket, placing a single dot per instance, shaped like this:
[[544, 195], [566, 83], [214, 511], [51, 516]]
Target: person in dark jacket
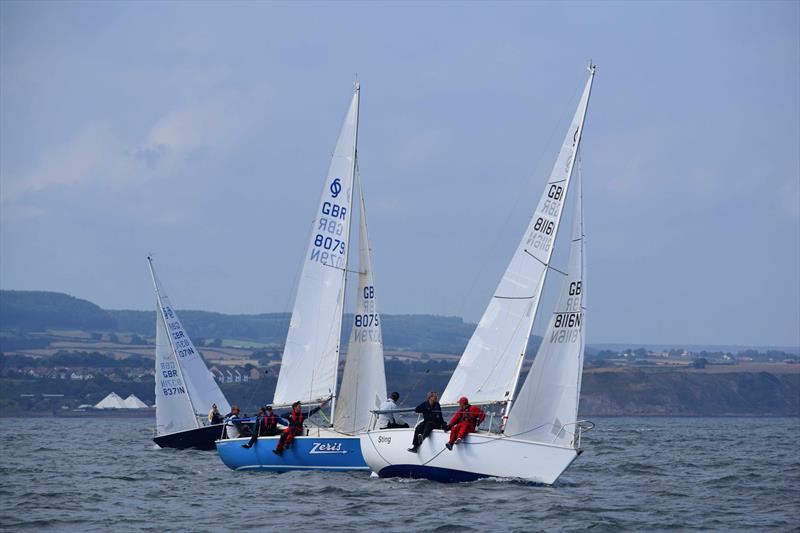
[[266, 425], [431, 419], [269, 426]]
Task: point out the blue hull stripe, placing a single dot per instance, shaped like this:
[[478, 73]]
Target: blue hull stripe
[[445, 475]]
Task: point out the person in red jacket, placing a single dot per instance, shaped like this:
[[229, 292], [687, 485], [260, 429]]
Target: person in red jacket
[[467, 418], [294, 429]]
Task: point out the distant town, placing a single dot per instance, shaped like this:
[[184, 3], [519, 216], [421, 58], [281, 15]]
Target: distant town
[[58, 353]]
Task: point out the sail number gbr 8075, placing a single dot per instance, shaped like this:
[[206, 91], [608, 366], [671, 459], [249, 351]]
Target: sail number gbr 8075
[[366, 321], [329, 244]]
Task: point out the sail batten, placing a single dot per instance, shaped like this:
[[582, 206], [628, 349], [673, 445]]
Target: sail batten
[[489, 367], [311, 355]]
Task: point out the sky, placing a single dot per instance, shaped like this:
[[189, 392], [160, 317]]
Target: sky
[[202, 132]]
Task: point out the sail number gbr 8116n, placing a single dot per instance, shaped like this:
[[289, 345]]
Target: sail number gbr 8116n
[[329, 244], [567, 322], [541, 238]]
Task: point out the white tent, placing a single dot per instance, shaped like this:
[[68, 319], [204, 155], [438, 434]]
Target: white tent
[[132, 402], [112, 401]]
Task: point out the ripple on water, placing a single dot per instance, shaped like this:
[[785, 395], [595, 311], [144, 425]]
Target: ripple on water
[[638, 474]]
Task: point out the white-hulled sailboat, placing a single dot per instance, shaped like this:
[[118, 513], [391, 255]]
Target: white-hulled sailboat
[[185, 389], [541, 433], [310, 360]]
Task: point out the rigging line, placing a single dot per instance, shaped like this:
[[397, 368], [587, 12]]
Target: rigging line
[[343, 269], [547, 265], [530, 254]]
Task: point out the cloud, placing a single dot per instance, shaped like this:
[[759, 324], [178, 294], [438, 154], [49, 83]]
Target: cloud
[[91, 150], [96, 154]]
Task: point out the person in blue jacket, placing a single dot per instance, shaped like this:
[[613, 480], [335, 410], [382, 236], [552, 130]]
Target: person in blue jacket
[[431, 419]]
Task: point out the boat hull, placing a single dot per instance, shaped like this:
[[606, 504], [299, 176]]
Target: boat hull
[[480, 455], [200, 438], [327, 451]]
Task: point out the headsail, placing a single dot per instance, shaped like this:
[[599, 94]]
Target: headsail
[[489, 367], [547, 406], [311, 356], [363, 385], [184, 386]]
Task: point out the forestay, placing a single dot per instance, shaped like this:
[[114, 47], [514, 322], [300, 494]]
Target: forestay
[[363, 385], [547, 406], [310, 358], [489, 367], [184, 386]]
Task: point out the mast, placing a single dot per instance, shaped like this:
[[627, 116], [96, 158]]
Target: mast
[[346, 261], [160, 312], [591, 68]]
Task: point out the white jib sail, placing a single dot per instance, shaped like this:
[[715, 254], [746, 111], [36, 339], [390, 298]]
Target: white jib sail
[[311, 356], [184, 386], [489, 367], [363, 385], [547, 406]]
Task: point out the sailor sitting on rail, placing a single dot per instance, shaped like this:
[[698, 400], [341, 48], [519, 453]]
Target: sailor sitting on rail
[[466, 420]]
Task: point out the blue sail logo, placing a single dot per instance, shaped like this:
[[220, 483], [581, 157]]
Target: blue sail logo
[[336, 187]]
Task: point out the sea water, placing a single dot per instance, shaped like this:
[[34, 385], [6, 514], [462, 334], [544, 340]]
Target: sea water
[[636, 474]]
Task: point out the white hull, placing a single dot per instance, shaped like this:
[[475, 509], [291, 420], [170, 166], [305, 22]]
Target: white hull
[[479, 455]]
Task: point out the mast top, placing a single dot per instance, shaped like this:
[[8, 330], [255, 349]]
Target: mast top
[[591, 67]]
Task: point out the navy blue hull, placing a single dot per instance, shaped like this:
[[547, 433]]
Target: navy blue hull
[[444, 475], [201, 438]]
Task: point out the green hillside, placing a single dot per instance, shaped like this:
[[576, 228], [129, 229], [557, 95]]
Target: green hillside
[[40, 310]]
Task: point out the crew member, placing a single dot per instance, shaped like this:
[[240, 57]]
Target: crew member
[[295, 428], [386, 419], [269, 424], [233, 427], [214, 417], [431, 419], [467, 418], [257, 425]]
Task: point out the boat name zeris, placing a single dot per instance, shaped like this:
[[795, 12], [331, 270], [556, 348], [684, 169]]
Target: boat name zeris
[[325, 447]]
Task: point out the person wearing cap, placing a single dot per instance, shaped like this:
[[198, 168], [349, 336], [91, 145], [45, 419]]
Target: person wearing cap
[[466, 420], [386, 419], [432, 419]]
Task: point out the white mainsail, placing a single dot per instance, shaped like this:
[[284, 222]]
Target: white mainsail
[[489, 367], [363, 385], [184, 386], [546, 408], [311, 356]]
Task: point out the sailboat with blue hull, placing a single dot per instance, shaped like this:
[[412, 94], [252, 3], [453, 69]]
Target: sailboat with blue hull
[[309, 366]]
